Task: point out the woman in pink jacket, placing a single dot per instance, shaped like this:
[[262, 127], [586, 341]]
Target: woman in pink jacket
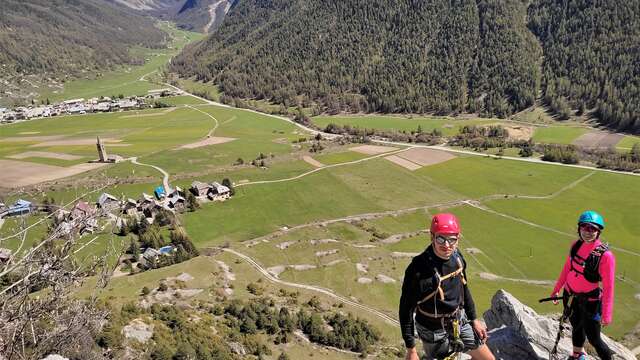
[[590, 263]]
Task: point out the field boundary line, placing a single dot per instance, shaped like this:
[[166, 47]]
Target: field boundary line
[[321, 168], [324, 291]]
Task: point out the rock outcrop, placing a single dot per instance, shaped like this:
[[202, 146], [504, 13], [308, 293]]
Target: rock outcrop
[[517, 332]]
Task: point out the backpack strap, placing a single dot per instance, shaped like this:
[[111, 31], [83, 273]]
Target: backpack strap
[[590, 265]]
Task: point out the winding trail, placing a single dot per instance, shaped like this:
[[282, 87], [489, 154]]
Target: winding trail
[[215, 127], [165, 175], [321, 290], [320, 169]]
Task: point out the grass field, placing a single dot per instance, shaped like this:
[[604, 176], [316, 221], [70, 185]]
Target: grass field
[[506, 233], [195, 87], [627, 142], [558, 134], [448, 125], [127, 79]]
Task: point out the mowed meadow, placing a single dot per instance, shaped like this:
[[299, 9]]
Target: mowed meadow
[[361, 215], [126, 80]]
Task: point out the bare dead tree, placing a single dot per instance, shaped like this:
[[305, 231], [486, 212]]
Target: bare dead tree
[[40, 312]]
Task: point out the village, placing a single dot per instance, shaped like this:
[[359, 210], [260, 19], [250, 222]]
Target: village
[[82, 106], [119, 214]]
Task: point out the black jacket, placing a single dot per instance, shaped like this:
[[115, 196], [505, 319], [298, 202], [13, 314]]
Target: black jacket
[[418, 283]]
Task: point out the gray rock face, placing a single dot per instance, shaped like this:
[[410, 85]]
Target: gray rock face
[[517, 332]]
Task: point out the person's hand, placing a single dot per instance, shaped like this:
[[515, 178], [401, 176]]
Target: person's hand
[[555, 294], [412, 354], [480, 330], [605, 323]]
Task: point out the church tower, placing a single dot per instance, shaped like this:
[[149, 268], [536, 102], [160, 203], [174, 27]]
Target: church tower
[[102, 153]]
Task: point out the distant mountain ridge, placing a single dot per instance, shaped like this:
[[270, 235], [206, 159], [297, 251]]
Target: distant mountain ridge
[[493, 57], [67, 36], [191, 15]]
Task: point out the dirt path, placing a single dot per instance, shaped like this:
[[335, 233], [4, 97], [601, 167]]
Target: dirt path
[[321, 290], [165, 175], [319, 169], [477, 205], [537, 197], [217, 123]]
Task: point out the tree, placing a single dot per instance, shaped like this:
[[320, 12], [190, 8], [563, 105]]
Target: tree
[[192, 202], [226, 182]]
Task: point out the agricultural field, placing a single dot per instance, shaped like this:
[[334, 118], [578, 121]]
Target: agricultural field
[[127, 80], [346, 218]]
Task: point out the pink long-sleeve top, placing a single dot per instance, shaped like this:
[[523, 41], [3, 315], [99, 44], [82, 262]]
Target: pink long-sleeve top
[[576, 283]]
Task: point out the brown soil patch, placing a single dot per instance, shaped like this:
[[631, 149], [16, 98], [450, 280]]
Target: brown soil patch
[[32, 138], [372, 149], [404, 163], [206, 142], [149, 115], [425, 157], [74, 142], [283, 141], [21, 173], [518, 132], [598, 139], [44, 154], [312, 161]]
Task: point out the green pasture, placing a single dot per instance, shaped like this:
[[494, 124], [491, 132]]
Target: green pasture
[[448, 125], [126, 79], [558, 134], [253, 133], [209, 91], [339, 157], [181, 100], [140, 132], [476, 177], [627, 142]]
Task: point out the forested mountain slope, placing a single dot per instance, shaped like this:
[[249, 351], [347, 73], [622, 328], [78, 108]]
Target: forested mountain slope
[[65, 36], [592, 57], [374, 55], [481, 56]]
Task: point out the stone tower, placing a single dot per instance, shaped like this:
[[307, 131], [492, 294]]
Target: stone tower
[[102, 153]]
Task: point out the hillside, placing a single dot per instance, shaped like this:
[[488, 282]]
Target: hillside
[[374, 55], [194, 15], [63, 37], [592, 51], [400, 56]]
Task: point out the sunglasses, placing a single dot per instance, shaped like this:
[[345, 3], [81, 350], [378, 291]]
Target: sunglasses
[[589, 227], [451, 240]]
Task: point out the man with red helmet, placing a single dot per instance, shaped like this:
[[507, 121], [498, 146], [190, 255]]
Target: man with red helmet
[[435, 290]]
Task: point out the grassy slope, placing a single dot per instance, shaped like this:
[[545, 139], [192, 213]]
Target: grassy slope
[[126, 79]]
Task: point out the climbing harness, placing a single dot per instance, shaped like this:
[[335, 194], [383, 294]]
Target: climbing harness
[[440, 292], [455, 344]]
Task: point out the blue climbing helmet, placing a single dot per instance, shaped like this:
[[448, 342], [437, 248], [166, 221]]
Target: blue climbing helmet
[[592, 217]]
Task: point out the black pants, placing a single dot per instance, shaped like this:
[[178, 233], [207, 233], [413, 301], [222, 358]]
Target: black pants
[[585, 320]]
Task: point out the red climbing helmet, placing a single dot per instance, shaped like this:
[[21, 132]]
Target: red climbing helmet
[[445, 224]]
